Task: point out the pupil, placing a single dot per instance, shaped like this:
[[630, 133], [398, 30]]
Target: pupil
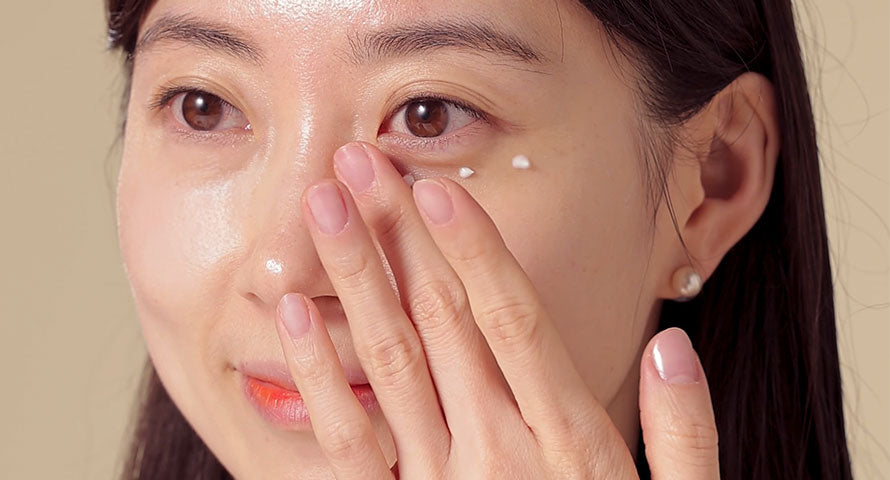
[[202, 105], [202, 111], [427, 118]]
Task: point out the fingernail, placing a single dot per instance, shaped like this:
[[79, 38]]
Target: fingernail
[[295, 314], [674, 358], [434, 201], [328, 208], [354, 165]]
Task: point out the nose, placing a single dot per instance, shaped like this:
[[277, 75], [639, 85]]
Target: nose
[[281, 256]]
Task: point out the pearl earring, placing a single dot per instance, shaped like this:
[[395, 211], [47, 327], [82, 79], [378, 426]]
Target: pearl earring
[[687, 282]]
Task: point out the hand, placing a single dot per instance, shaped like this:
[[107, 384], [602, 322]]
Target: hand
[[467, 367]]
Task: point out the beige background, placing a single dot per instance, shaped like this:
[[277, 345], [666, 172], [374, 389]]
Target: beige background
[[70, 349]]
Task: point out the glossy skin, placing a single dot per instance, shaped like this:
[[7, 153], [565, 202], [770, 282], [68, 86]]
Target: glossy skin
[[213, 226]]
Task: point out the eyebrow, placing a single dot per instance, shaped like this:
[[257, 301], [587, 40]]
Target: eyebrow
[[424, 37], [200, 33], [397, 41]]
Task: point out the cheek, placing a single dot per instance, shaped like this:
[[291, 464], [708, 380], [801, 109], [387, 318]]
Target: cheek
[[177, 242], [582, 239]]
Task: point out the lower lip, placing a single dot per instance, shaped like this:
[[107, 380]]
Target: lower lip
[[285, 408]]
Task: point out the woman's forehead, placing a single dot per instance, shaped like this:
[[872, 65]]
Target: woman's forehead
[[526, 30]]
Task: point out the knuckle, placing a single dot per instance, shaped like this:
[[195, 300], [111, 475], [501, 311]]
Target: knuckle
[[489, 438], [315, 376], [498, 463], [695, 443], [571, 465], [492, 469], [346, 440], [512, 323], [564, 428], [567, 457], [472, 250], [591, 455], [491, 463], [437, 305], [391, 358], [351, 267], [389, 222], [611, 465]]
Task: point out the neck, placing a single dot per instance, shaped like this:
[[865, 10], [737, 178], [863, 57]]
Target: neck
[[624, 410]]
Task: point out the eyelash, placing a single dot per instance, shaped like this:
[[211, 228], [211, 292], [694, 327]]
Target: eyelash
[[442, 142], [166, 94]]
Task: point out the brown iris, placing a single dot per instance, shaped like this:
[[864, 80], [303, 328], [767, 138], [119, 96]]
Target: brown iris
[[202, 111], [427, 118]]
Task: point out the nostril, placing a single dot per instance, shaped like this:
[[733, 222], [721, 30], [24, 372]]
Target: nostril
[[328, 304], [253, 298]]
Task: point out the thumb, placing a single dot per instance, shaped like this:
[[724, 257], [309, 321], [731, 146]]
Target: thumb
[[676, 415]]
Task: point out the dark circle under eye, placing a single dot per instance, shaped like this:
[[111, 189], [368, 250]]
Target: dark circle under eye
[[427, 118], [202, 111]]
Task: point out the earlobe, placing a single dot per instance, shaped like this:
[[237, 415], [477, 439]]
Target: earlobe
[[735, 175]]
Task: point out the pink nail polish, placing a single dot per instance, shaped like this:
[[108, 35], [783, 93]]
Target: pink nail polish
[[328, 208], [294, 314], [674, 358], [434, 200]]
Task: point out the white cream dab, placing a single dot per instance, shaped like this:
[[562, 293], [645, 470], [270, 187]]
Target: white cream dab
[[409, 179], [465, 172], [521, 162], [274, 266]]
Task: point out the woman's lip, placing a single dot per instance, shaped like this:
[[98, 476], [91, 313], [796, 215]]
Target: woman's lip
[[275, 373], [278, 374], [285, 407]]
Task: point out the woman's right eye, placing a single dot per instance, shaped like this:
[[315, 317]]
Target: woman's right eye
[[205, 112]]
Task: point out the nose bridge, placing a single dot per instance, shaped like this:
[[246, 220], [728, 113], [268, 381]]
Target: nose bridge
[[282, 257]]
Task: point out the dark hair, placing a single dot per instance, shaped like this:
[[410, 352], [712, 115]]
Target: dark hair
[[764, 324]]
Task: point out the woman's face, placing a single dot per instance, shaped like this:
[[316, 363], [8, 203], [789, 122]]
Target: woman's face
[[208, 197]]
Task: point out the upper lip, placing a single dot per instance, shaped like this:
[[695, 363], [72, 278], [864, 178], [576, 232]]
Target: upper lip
[[278, 374], [276, 371]]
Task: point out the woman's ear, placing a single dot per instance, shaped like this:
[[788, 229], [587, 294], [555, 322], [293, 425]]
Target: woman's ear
[[727, 189]]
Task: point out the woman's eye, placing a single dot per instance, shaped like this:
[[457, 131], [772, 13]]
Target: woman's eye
[[430, 117], [205, 112]]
